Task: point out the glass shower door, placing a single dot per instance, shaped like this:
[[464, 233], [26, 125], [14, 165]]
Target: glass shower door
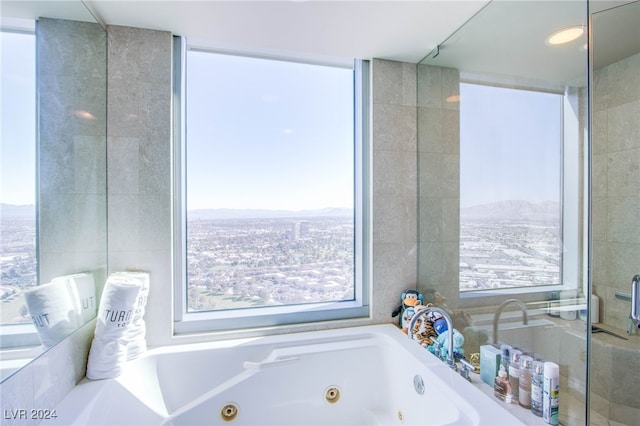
[[615, 211]]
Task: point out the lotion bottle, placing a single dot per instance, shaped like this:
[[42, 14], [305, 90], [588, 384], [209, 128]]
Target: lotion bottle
[[524, 392]]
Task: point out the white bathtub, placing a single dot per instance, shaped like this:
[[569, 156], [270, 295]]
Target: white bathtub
[[351, 376]]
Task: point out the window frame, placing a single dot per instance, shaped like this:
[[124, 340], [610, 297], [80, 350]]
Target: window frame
[[570, 266], [250, 318]]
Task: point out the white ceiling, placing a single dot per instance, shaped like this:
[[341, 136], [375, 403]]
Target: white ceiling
[[399, 30], [338, 31], [324, 29]]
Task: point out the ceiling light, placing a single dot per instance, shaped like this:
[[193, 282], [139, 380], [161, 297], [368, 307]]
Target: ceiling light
[[453, 98], [565, 35]]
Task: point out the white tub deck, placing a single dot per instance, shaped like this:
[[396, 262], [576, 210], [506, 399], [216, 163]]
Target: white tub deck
[[350, 376]]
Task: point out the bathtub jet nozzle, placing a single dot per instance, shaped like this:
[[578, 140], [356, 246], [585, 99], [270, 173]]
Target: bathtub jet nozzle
[[229, 412]]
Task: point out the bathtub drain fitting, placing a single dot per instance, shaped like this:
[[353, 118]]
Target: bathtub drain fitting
[[229, 412], [332, 394]]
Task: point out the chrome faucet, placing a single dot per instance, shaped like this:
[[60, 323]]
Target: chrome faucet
[[450, 358], [496, 316]]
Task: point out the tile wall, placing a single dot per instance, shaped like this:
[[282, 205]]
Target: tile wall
[[439, 180], [615, 183]]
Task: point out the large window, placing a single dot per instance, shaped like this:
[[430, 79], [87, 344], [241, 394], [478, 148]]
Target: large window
[[18, 262], [510, 187], [271, 185]]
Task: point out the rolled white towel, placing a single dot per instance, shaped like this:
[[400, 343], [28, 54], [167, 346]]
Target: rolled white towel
[[106, 358], [117, 308], [136, 333], [82, 287], [53, 311]]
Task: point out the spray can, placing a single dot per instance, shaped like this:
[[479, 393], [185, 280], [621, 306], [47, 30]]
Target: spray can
[[536, 388], [550, 393]]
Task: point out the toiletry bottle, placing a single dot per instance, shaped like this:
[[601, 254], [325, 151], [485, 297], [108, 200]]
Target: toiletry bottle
[[514, 374], [582, 312], [501, 385], [505, 358], [554, 304], [536, 387], [524, 391], [550, 393], [568, 300]]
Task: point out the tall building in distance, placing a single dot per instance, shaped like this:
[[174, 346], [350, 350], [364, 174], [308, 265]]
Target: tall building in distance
[[299, 230]]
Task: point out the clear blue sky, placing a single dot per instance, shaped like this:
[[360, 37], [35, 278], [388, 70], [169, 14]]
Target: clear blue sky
[[266, 134], [510, 145], [17, 118]]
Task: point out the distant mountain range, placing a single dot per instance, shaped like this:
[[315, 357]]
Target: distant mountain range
[[17, 211], [501, 210], [523, 210], [267, 214]]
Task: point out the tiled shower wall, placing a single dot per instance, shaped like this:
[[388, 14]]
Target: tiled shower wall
[[139, 189], [615, 183]]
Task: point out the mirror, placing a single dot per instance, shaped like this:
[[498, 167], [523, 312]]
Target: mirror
[[64, 168]]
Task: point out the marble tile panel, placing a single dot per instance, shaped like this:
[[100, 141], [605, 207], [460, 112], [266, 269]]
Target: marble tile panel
[[430, 130], [623, 221], [56, 165], [125, 109], [623, 174], [430, 219], [394, 127], [394, 173], [430, 265], [623, 129], [124, 222], [90, 229], [124, 165], [624, 81], [61, 42], [601, 90], [155, 229], [429, 82], [625, 387], [599, 163], [622, 263], [451, 219], [393, 83], [393, 273], [394, 221], [451, 175], [451, 131], [89, 169], [137, 54], [599, 218], [430, 166], [624, 415], [57, 222], [155, 164]]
